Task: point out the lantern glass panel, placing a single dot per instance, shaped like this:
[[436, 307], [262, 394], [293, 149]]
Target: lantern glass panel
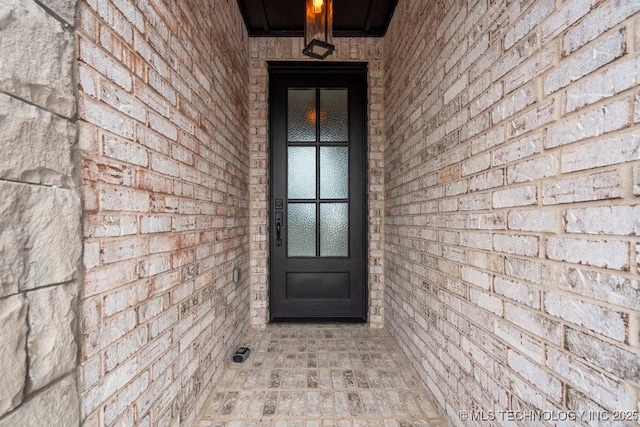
[[318, 27]]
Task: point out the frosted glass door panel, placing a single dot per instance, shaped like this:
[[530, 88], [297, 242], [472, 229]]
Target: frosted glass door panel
[[301, 226], [301, 115], [334, 115], [334, 172], [301, 173], [334, 229]]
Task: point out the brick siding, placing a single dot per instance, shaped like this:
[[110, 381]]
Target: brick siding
[[163, 119], [511, 184]]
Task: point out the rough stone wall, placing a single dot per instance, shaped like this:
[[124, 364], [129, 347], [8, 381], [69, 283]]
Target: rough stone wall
[[40, 237], [163, 116], [265, 49], [513, 202]]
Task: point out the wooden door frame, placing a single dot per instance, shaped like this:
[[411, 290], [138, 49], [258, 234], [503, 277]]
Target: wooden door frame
[[303, 67]]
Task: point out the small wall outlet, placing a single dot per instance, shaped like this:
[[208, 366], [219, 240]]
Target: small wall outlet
[[236, 275]]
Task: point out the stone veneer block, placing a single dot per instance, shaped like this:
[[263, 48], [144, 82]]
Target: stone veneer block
[[55, 406], [39, 236], [65, 9], [51, 344], [13, 357], [36, 144], [37, 57]]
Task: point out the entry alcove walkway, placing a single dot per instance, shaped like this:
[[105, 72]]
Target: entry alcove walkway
[[320, 375]]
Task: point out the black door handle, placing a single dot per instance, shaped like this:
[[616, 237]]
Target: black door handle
[[278, 228]]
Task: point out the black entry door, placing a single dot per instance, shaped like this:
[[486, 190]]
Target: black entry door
[[317, 227]]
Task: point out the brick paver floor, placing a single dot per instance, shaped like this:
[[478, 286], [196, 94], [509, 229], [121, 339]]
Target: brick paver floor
[[320, 375]]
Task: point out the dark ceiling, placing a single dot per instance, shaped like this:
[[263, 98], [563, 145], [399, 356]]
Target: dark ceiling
[[351, 18]]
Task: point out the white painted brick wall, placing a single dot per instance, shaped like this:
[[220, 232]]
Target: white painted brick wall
[[594, 122], [608, 391], [606, 16], [537, 376], [605, 322], [534, 323], [516, 244], [586, 61], [533, 220], [528, 21], [531, 347], [486, 301], [597, 186], [517, 150], [607, 220], [517, 196], [614, 288], [159, 150], [540, 192], [604, 84], [599, 253], [520, 292], [620, 149], [600, 353]]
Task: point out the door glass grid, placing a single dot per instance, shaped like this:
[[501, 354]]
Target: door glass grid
[[334, 229], [334, 117], [317, 172], [301, 125], [301, 165], [334, 172], [302, 229]]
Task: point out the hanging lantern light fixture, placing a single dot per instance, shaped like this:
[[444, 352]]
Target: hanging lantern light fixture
[[318, 28]]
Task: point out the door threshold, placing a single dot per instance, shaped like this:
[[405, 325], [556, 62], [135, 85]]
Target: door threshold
[[318, 320]]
